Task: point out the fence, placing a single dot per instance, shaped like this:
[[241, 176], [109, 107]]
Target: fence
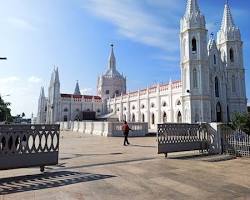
[[173, 137], [113, 129], [28, 146], [235, 142]]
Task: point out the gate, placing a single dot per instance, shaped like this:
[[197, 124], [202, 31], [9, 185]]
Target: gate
[[28, 146], [235, 142], [176, 137]]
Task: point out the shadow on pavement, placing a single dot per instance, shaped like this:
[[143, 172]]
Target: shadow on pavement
[[136, 145], [46, 180]]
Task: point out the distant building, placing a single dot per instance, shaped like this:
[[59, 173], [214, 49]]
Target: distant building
[[76, 106]]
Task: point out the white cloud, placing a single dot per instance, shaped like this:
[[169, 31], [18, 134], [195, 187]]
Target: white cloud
[[86, 91], [169, 58], [9, 79], [21, 24], [135, 23], [34, 79], [23, 94]]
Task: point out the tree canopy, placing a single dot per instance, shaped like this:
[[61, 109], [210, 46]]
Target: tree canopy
[[241, 122], [5, 114]]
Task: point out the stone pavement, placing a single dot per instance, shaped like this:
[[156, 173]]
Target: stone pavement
[[101, 168]]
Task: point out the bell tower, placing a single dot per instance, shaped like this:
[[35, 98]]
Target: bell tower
[[231, 48], [194, 65]]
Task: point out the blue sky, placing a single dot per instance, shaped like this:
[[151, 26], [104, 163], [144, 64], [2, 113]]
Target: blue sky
[[75, 36]]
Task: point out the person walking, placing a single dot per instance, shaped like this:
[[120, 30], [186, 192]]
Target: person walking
[[125, 129]]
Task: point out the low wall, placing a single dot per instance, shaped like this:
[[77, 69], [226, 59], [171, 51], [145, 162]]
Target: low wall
[[112, 129]]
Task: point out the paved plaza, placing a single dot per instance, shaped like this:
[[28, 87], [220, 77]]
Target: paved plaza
[[101, 168]]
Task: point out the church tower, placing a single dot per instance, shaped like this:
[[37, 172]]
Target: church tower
[[231, 48], [53, 105], [112, 83], [42, 108], [77, 89], [194, 65]]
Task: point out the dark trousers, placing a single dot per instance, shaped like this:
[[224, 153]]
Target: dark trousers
[[125, 138]]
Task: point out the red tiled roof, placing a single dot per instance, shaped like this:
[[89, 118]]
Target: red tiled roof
[[66, 95], [80, 96]]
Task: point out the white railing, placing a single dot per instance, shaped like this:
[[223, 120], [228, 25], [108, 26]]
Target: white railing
[[112, 129]]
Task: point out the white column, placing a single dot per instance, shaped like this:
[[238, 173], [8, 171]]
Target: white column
[[138, 107], [158, 104], [148, 109], [128, 110], [171, 102]]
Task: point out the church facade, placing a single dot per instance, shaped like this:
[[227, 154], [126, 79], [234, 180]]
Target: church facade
[[212, 85], [69, 107], [65, 107], [211, 89]]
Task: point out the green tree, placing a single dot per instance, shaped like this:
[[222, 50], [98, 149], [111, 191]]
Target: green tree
[[23, 115], [5, 112], [241, 122]]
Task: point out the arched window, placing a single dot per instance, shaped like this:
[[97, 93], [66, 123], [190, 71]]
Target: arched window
[[143, 117], [194, 45], [179, 117], [178, 102], [153, 118], [164, 117], [231, 54], [164, 104], [142, 106], [65, 110], [216, 85], [215, 59], [152, 105], [233, 84], [195, 79], [196, 117], [133, 107], [133, 117], [124, 108], [65, 118], [228, 114], [218, 112]]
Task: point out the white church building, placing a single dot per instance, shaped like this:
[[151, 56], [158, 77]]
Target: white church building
[[211, 89]]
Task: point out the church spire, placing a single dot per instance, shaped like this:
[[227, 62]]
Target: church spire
[[56, 75], [192, 8], [77, 89], [227, 21], [112, 61], [42, 92]]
